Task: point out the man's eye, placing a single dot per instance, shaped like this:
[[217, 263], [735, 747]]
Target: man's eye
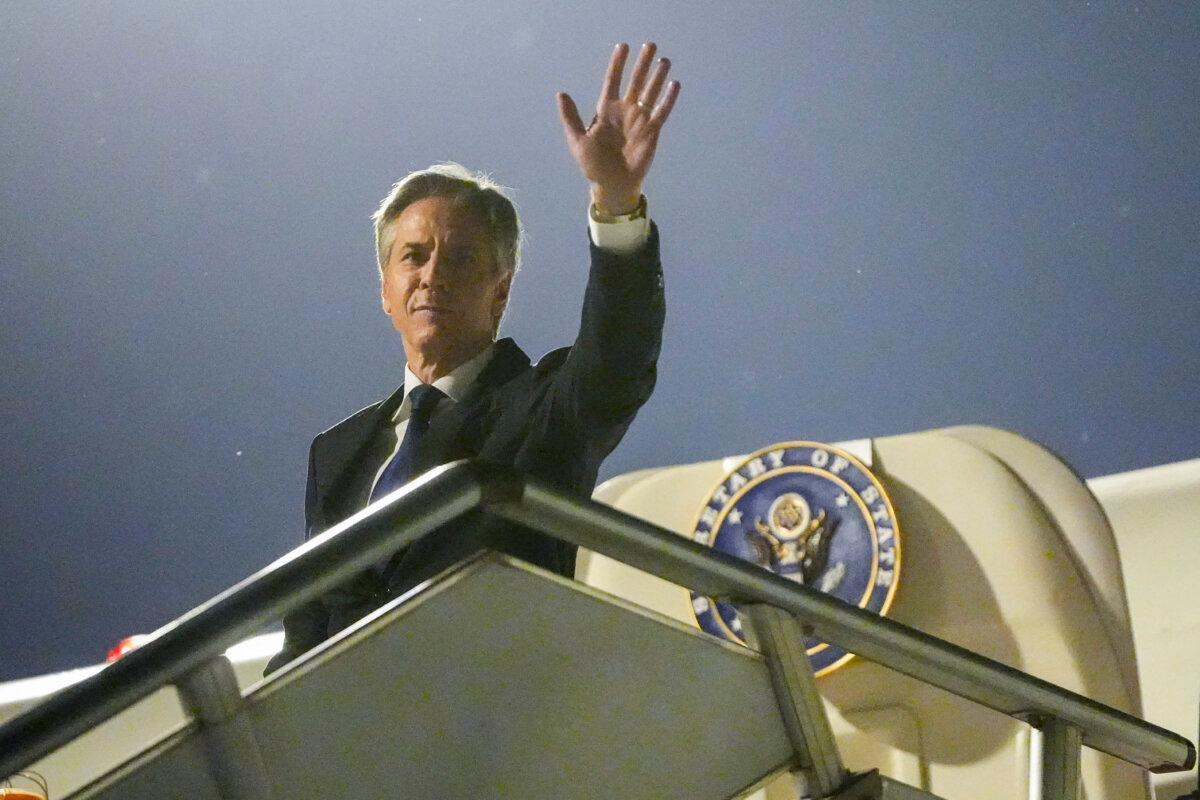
[[466, 259]]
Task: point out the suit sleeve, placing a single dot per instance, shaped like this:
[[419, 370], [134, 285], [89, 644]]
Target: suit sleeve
[[612, 367], [304, 627]]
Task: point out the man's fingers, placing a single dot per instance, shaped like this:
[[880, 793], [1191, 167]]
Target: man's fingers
[[660, 114], [569, 115], [612, 78], [650, 95], [641, 69]]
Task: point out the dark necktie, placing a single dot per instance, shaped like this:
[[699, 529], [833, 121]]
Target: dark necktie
[[423, 400]]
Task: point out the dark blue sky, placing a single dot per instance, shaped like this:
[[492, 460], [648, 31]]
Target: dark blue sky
[[876, 219]]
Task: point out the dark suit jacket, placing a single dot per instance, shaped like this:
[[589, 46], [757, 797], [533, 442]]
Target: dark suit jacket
[[556, 420]]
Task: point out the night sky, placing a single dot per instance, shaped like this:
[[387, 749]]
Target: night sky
[[876, 219]]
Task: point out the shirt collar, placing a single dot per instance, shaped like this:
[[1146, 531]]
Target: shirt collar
[[453, 384]]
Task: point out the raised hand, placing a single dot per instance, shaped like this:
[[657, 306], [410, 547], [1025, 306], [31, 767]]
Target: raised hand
[[615, 151]]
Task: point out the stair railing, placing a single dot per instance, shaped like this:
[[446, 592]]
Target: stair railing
[[187, 653]]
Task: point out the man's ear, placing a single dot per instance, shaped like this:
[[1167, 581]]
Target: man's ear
[[500, 300], [383, 298], [500, 297]]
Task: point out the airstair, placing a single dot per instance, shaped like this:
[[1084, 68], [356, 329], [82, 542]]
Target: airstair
[[499, 680]]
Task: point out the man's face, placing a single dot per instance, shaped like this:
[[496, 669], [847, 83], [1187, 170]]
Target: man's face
[[440, 283]]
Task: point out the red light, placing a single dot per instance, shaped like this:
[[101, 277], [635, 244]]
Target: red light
[[125, 645]]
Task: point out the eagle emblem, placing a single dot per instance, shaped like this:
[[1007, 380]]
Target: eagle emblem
[[796, 543], [811, 513]]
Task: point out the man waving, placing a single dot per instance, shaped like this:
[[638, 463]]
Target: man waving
[[447, 242]]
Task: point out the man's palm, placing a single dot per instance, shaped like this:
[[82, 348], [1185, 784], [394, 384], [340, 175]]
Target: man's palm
[[615, 151]]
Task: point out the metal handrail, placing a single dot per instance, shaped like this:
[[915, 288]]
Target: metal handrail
[[448, 492]]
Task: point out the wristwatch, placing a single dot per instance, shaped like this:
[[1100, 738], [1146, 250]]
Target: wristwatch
[[638, 213]]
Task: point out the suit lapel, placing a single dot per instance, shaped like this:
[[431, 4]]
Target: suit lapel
[[460, 431], [343, 446], [456, 433]]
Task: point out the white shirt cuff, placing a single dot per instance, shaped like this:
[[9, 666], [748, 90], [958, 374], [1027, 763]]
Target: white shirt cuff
[[622, 236]]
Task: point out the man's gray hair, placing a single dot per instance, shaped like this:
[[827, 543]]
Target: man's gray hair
[[474, 190]]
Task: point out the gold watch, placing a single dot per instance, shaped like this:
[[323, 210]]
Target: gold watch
[[639, 212]]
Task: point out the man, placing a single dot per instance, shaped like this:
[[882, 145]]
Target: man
[[447, 246]]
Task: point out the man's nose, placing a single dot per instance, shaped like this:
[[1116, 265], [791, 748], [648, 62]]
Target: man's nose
[[436, 271]]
